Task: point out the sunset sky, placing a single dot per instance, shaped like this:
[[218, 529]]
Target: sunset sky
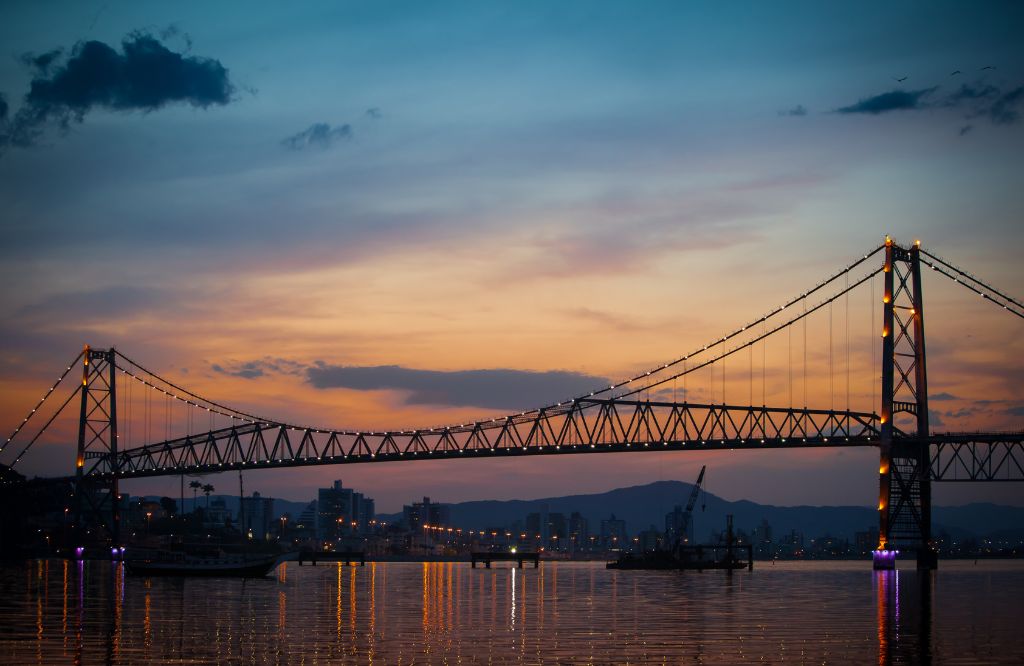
[[389, 215]]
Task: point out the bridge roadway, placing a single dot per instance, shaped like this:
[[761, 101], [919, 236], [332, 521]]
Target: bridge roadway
[[581, 426]]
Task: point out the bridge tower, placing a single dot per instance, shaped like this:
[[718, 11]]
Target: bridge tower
[[904, 498], [96, 501]]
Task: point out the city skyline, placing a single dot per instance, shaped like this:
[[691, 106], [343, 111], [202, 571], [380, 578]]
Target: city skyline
[[356, 223]]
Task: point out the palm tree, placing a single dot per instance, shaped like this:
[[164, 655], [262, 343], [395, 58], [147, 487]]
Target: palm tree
[[207, 489], [194, 485]]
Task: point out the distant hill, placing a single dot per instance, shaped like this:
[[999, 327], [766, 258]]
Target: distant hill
[[641, 506]]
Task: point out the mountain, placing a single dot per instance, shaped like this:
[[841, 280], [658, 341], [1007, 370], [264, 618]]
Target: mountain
[[642, 506]]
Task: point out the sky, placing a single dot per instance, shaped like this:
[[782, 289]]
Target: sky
[[389, 215]]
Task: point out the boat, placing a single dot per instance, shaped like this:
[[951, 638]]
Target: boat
[[687, 557], [203, 563]]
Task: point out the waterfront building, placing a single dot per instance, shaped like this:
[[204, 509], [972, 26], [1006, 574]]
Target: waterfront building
[[579, 530], [256, 516], [613, 532], [341, 512], [418, 514]]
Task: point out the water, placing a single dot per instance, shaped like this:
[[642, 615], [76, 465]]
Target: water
[[412, 613]]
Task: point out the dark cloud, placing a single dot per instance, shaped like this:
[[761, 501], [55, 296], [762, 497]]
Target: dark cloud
[[1016, 411], [1004, 110], [172, 31], [3, 108], [41, 62], [374, 113], [942, 396], [895, 100], [248, 370], [798, 110], [318, 135], [977, 100], [144, 76], [259, 368], [934, 419], [972, 92], [490, 389]]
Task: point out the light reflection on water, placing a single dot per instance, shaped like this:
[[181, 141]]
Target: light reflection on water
[[403, 613]]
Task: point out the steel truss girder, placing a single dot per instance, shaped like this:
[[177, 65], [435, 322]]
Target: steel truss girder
[[589, 425], [977, 457]]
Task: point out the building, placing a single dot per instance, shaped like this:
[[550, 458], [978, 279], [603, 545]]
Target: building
[[613, 532], [866, 541], [647, 540], [217, 515], [579, 530], [304, 527], [677, 525], [341, 512], [426, 512], [547, 529], [256, 516]]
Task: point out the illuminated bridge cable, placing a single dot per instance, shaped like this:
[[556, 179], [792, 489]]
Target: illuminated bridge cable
[[725, 338], [220, 409], [967, 280], [39, 404], [525, 415], [785, 325], [47, 425], [971, 277]]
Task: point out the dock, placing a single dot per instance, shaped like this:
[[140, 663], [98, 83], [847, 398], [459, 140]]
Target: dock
[[487, 557]]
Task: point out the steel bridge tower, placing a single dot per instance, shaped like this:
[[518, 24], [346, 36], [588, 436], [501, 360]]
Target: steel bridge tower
[[96, 497], [905, 496]]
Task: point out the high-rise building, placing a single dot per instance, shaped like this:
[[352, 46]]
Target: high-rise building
[[579, 529], [418, 514], [613, 532], [341, 512], [256, 515], [547, 528]]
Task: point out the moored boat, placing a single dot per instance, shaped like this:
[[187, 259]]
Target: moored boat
[[209, 563]]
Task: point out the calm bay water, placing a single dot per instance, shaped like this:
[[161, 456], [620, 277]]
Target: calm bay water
[[411, 613]]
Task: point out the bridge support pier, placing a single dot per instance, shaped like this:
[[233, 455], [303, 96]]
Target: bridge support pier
[[904, 498], [97, 502]]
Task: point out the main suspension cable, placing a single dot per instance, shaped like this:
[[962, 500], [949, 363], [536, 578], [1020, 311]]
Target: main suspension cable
[[968, 279], [972, 278], [39, 404], [794, 320], [47, 425], [231, 412]]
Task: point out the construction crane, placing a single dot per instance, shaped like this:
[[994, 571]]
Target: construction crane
[[688, 514]]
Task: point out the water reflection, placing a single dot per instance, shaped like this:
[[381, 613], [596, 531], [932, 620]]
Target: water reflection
[[904, 616], [92, 612]]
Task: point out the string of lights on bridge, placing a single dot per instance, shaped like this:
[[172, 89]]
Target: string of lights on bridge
[[980, 289], [39, 404], [194, 400], [649, 379]]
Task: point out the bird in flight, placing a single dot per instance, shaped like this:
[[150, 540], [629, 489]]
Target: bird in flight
[[987, 67], [956, 72], [899, 80]]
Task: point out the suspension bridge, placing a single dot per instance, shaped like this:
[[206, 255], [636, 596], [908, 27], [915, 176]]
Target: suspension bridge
[[119, 403]]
